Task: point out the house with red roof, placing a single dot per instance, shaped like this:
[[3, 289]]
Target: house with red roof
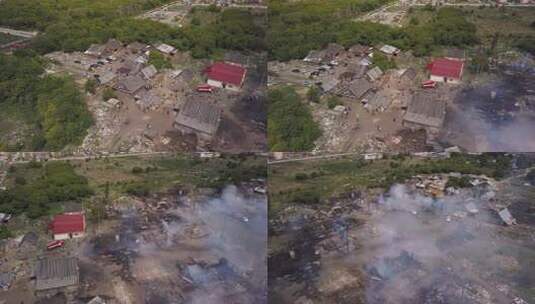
[[68, 225], [227, 76], [446, 70]]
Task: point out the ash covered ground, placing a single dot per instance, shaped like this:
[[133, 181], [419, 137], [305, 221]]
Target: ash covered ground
[[180, 249], [419, 241]]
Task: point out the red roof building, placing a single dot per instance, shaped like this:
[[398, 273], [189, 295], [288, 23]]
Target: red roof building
[[446, 70], [68, 225], [225, 75]]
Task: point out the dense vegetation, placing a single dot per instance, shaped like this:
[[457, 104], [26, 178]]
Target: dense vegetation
[[52, 183], [296, 28], [290, 123], [52, 106], [74, 25], [312, 182]]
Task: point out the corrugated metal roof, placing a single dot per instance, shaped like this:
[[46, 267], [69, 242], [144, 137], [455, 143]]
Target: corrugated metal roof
[[226, 73], [56, 272], [199, 115]]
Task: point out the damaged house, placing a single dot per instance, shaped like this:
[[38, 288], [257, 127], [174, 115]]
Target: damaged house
[[130, 67], [355, 89], [56, 274], [198, 117], [130, 85], [149, 72], [426, 111]]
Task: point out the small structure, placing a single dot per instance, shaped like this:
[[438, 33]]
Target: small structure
[[95, 50], [6, 279], [506, 217], [425, 111], [68, 225], [137, 47], [166, 49], [198, 117], [130, 84], [149, 71], [113, 103], [227, 76], [97, 300], [374, 73], [365, 61], [53, 274], [446, 70], [148, 100], [314, 57], [106, 78], [389, 50]]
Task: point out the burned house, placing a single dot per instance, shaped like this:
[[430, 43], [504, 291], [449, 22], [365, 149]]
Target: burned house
[[103, 50], [131, 84], [130, 67], [198, 117], [355, 89], [426, 111], [236, 58], [56, 274], [353, 71], [327, 55], [137, 47]]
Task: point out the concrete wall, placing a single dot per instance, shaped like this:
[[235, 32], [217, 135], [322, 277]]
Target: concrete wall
[[66, 236], [219, 84], [441, 79]]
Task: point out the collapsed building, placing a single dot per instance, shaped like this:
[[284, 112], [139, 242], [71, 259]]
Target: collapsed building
[[200, 118]]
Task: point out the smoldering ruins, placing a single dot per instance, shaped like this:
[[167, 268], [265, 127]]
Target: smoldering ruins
[[180, 249], [425, 240]]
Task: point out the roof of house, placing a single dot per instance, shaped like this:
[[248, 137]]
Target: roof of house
[[95, 49], [329, 84], [165, 48], [56, 272], [377, 101], [68, 223], [149, 99], [388, 49], [409, 73], [137, 47], [425, 109], [359, 87], [199, 115], [149, 71], [314, 56], [130, 67], [446, 68], [130, 84], [375, 73], [106, 77], [226, 73]]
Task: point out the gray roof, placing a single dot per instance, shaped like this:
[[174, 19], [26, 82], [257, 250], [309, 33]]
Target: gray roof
[[137, 47], [375, 73], [106, 77], [113, 45], [200, 116], [149, 99], [56, 272], [95, 49], [426, 109], [130, 84], [354, 89], [130, 67], [329, 84], [149, 72], [314, 56], [379, 101], [6, 279]]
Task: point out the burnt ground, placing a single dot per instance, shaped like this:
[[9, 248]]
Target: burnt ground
[[406, 247], [495, 116]]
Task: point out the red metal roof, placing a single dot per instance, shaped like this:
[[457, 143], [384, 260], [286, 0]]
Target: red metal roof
[[226, 73], [446, 68], [68, 223]]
